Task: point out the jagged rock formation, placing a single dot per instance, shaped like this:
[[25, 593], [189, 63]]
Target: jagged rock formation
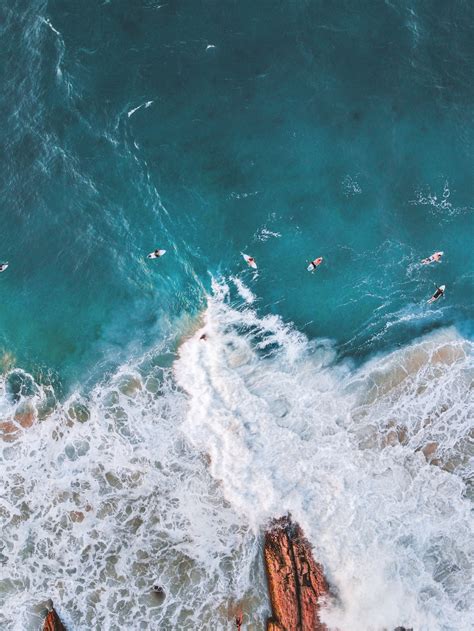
[[239, 621], [295, 581], [52, 621]]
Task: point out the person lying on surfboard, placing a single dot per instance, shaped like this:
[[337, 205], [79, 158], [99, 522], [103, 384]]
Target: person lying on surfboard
[[249, 260], [156, 254], [431, 259], [314, 264], [3, 267], [437, 294]]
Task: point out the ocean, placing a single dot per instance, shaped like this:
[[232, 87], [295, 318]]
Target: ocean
[[134, 453]]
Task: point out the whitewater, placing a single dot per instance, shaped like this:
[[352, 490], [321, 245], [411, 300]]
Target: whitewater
[[168, 472]]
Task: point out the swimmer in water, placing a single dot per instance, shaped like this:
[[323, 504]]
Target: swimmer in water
[[437, 294], [314, 264], [436, 257]]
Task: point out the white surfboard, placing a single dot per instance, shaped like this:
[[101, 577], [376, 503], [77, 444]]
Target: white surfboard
[[156, 254], [249, 260], [3, 267], [312, 266], [433, 299], [430, 259]]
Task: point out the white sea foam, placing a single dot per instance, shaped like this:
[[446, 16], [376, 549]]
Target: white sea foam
[[102, 499], [243, 290], [132, 111], [351, 186], [48, 23], [264, 234], [289, 430], [235, 195], [438, 203], [168, 472], [61, 50]]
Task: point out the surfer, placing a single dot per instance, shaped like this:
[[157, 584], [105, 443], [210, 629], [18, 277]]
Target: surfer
[[437, 294], [431, 259], [156, 254], [3, 267], [314, 264], [250, 261]]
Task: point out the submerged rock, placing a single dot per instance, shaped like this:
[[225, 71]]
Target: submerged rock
[[296, 583], [52, 621]]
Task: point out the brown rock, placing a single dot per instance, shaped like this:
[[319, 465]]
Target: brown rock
[[52, 622], [76, 516], [25, 416], [429, 450], [239, 620], [295, 581]]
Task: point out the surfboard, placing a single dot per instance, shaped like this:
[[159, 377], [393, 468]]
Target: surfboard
[[249, 260], [3, 267], [430, 259], [156, 255], [312, 266], [433, 299]]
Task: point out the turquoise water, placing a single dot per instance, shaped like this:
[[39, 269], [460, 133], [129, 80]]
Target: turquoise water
[[345, 129], [134, 452]]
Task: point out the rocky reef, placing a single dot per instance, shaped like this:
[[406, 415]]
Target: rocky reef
[[296, 583], [52, 622]]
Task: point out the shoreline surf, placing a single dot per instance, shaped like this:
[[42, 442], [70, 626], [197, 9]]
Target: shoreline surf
[[170, 460]]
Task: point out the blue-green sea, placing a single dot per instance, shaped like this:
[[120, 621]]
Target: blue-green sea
[[285, 130]]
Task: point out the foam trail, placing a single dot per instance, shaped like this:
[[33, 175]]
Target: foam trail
[[132, 111], [243, 290], [145, 105], [48, 23]]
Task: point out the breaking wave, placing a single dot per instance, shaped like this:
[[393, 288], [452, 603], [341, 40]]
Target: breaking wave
[[167, 473]]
